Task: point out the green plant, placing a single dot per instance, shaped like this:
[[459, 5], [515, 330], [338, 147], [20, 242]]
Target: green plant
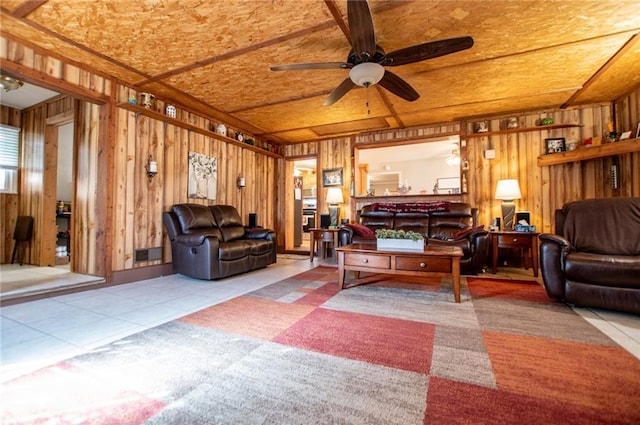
[[398, 234]]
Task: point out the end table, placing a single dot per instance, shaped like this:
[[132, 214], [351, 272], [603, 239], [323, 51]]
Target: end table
[[511, 239], [323, 236]]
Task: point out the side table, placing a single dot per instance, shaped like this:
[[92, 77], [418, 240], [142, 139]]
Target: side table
[[510, 239], [323, 236]]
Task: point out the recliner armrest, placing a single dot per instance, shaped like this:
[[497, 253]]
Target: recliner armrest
[[345, 235], [194, 238], [258, 233], [478, 233], [479, 241], [550, 237], [553, 250]]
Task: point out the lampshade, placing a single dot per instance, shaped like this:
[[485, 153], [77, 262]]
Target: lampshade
[[334, 196], [366, 74], [508, 190]]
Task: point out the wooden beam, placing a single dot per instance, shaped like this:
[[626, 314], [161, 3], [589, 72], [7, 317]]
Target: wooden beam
[[608, 64], [26, 8], [387, 103], [63, 118], [337, 16], [82, 47], [235, 53], [45, 80], [55, 55]]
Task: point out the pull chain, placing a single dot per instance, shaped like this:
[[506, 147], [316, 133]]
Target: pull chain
[[368, 109]]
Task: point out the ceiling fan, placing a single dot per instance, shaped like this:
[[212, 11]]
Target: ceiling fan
[[366, 60]]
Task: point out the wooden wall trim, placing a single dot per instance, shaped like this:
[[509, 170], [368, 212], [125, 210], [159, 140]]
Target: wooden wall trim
[[42, 79], [104, 192]]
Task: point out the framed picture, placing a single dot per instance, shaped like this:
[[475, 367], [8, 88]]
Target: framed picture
[[555, 145], [331, 177], [203, 176]]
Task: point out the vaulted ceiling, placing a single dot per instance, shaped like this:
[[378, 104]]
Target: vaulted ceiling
[[215, 56]]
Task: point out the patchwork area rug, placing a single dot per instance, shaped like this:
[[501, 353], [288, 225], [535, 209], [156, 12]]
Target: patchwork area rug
[[392, 352]]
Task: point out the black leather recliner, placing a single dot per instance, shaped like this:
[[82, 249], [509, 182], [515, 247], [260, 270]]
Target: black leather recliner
[[593, 260], [210, 242]]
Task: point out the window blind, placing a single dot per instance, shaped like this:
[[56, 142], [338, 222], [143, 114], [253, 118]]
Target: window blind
[[9, 152]]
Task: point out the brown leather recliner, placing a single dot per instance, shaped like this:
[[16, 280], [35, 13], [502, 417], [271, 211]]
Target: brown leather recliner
[[438, 228], [593, 260], [210, 242]]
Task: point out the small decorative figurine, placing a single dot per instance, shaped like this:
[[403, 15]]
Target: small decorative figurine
[[147, 99]]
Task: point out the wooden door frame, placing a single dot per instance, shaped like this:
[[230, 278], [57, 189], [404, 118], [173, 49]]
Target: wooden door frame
[[289, 198]]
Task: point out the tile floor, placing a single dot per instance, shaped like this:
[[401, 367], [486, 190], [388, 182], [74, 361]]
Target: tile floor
[[38, 333], [17, 280]]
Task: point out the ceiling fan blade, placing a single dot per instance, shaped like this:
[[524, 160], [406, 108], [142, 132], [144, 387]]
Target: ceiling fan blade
[[363, 38], [302, 66], [339, 91], [398, 86], [432, 49]]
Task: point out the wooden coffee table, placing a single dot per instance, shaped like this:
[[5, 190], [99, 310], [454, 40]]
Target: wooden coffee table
[[431, 261]]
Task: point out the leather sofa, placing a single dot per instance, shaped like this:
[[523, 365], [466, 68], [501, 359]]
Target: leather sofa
[[210, 242], [454, 225], [593, 260]]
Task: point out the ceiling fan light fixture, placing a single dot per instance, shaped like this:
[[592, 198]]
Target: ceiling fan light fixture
[[366, 74], [8, 83], [454, 159]]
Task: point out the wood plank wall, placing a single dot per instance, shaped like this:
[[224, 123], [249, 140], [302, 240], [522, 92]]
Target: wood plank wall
[[8, 202], [38, 159], [544, 189], [140, 201], [628, 119], [31, 184], [103, 240], [87, 209]]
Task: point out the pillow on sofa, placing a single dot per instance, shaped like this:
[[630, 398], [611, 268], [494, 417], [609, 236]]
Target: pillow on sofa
[[361, 230], [465, 232]]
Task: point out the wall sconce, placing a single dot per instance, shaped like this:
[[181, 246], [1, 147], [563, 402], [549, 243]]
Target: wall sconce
[[241, 182], [151, 167]]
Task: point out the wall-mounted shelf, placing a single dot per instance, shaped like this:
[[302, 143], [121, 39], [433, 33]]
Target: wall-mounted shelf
[[161, 117], [523, 130], [593, 152]]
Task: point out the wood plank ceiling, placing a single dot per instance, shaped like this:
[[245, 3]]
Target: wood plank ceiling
[[214, 56]]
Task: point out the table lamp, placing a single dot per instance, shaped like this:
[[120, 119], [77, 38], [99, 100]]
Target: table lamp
[[507, 190], [334, 199]]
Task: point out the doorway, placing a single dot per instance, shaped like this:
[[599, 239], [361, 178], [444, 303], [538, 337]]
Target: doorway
[[64, 195], [301, 202], [59, 133]]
